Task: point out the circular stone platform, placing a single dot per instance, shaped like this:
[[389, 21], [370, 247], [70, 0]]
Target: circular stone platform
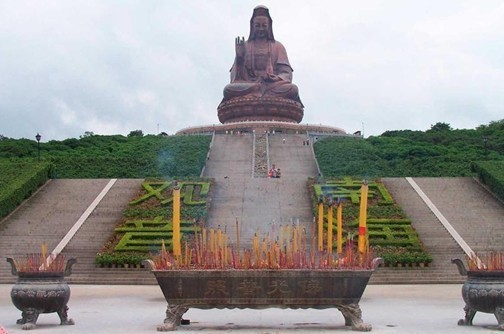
[[272, 126], [260, 109]]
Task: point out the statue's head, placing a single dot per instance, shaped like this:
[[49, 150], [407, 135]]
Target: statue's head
[[261, 24]]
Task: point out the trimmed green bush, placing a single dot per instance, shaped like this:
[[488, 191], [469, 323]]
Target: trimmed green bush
[[491, 173], [18, 180], [393, 259], [119, 259], [348, 188]]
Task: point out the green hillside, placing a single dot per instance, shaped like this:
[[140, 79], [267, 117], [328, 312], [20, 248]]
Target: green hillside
[[116, 156], [93, 156], [439, 151]]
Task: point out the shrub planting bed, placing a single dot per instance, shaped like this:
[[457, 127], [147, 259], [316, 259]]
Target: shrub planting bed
[[147, 222], [390, 233]]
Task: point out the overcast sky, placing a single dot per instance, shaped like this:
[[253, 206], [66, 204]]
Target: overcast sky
[[111, 67]]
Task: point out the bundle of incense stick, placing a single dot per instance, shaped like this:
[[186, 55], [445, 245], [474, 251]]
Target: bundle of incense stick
[[39, 261], [288, 249], [491, 261]]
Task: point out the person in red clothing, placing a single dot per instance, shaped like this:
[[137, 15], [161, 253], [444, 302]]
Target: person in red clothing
[[273, 171]]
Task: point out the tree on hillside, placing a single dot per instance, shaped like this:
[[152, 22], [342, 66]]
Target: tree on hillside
[[87, 134], [136, 133], [440, 126]]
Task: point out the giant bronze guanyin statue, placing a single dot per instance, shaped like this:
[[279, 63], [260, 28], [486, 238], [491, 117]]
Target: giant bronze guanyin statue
[[261, 87]]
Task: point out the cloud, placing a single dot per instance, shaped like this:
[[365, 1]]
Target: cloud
[[116, 66]]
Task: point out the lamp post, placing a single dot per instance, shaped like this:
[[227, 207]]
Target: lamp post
[[38, 136], [485, 144]]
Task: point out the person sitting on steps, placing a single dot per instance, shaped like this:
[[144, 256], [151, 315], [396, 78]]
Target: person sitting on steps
[[273, 171]]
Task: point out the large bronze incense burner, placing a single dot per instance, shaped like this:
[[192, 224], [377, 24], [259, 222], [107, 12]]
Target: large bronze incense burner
[[483, 291], [37, 292], [283, 272], [259, 289]]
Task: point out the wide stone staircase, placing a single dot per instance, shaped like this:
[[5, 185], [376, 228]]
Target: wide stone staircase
[[242, 199], [436, 239], [258, 204], [49, 214], [95, 232], [44, 217], [474, 213]]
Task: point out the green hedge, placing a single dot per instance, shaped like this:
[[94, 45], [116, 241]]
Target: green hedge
[[393, 259], [162, 191], [491, 173], [147, 235], [148, 220], [348, 188], [18, 180], [119, 259], [390, 232]]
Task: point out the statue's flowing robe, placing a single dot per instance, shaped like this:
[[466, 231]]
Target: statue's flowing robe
[[252, 68], [247, 76]]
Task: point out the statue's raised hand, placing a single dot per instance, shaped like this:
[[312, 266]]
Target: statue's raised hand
[[240, 47]]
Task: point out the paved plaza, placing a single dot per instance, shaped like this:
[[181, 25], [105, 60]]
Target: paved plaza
[[139, 309]]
